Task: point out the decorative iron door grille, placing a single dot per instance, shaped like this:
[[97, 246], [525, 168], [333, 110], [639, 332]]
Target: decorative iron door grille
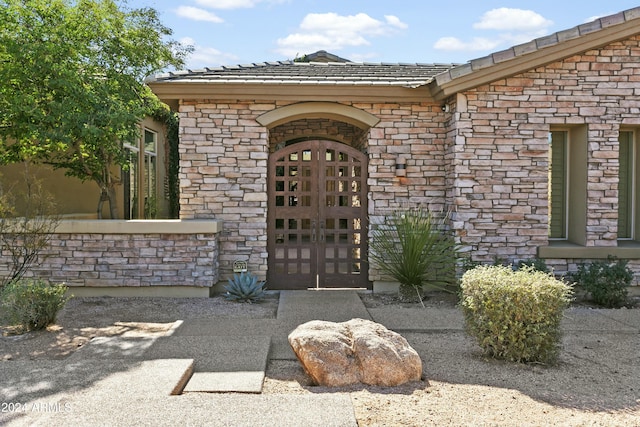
[[317, 217]]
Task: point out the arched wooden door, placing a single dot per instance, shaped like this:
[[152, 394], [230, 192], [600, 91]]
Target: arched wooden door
[[317, 217]]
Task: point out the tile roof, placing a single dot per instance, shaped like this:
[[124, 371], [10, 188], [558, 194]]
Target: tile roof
[[343, 72], [312, 73], [539, 44]]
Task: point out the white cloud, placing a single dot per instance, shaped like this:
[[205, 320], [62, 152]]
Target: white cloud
[[203, 56], [331, 32], [362, 57], [197, 14], [235, 4], [593, 18], [512, 19], [511, 27], [455, 44], [394, 21], [228, 4]]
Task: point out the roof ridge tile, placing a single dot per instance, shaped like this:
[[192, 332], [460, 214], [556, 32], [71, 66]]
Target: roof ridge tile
[[538, 44], [632, 13]]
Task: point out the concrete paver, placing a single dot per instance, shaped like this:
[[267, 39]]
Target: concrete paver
[[222, 363], [222, 382], [226, 327], [335, 306], [114, 348], [197, 409], [214, 353], [50, 389]]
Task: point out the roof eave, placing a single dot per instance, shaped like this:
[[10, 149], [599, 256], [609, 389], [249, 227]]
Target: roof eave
[[172, 91], [513, 61]]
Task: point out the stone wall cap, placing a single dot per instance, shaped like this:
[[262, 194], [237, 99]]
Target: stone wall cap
[[140, 226]]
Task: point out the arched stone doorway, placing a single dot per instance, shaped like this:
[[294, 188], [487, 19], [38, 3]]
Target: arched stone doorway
[[317, 197]]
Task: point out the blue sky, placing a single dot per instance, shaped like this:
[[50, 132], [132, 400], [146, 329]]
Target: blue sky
[[228, 32]]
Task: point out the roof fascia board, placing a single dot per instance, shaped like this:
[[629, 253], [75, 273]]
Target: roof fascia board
[[168, 91], [520, 64]]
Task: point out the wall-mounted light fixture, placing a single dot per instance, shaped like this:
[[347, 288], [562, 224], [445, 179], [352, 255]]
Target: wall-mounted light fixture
[[445, 108], [401, 167]]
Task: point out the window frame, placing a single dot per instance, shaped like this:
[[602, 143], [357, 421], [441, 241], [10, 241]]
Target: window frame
[[631, 183], [576, 185], [566, 165], [145, 187]]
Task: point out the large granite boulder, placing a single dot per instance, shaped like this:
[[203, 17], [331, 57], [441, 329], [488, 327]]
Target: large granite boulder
[[357, 351]]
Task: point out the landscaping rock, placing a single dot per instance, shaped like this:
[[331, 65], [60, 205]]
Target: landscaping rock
[[353, 352]]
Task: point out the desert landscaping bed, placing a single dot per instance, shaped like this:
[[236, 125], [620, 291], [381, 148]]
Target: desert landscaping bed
[[595, 382]]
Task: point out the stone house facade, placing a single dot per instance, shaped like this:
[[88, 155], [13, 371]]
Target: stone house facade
[[533, 149]]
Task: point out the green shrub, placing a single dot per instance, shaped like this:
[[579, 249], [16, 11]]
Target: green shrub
[[32, 304], [245, 287], [514, 315], [605, 281], [535, 263]]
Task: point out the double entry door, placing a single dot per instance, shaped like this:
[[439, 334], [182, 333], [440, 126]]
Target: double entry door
[[317, 217]]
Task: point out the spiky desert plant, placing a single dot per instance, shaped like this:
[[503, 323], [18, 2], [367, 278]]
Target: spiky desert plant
[[245, 287], [412, 247]]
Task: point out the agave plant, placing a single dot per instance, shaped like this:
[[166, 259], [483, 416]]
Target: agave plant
[[412, 247], [245, 287]]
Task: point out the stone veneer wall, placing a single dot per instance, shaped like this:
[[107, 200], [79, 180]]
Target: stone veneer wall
[[500, 150], [223, 169], [129, 254], [311, 128], [487, 161], [416, 133], [223, 175]]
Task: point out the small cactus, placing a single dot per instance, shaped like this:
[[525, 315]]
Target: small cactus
[[245, 288]]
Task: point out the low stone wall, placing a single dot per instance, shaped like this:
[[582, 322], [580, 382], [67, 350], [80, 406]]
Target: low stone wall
[[136, 258]]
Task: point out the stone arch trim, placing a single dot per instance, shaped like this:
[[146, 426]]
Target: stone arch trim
[[316, 128], [326, 110]]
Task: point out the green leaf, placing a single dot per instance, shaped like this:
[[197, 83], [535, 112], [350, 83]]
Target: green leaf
[[72, 82]]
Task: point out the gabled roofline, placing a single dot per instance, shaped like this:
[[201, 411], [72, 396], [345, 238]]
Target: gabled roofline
[[249, 84], [537, 53]]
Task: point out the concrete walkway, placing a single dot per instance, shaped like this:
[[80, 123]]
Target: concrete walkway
[[174, 379], [177, 379]]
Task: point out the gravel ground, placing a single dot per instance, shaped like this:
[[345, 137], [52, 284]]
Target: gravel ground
[[596, 383]]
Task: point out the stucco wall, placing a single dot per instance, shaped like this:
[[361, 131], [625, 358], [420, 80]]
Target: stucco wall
[[64, 190], [75, 198]]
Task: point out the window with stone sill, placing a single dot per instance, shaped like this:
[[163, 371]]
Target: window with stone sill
[[558, 184], [567, 185], [628, 187]]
